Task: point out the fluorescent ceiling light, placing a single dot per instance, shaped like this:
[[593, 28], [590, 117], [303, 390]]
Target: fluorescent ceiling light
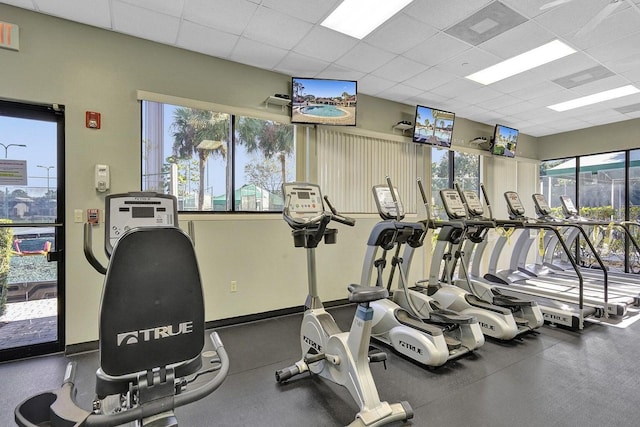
[[595, 98], [357, 18], [523, 62]]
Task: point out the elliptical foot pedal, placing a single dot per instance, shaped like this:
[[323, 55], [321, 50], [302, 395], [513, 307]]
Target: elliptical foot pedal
[[521, 321], [452, 343]]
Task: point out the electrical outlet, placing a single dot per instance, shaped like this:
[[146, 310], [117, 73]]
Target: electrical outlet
[[234, 286]]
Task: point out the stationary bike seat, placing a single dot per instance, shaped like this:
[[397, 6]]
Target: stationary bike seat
[[360, 293]]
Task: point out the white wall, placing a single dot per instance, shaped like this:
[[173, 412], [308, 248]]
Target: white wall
[[86, 68]]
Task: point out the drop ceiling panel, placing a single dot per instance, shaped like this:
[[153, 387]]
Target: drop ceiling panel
[[310, 11], [95, 13], [620, 25], [529, 35], [230, 16], [325, 44], [456, 88], [206, 40], [399, 92], [479, 95], [144, 23], [25, 4], [298, 65], [443, 14], [570, 17], [276, 29], [436, 49], [400, 34], [399, 69], [168, 7], [257, 54], [373, 85], [365, 58], [468, 62], [337, 72], [430, 79]]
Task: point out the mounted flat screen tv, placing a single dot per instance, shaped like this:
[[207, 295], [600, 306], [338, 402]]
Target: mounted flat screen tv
[[433, 126], [323, 101], [504, 141]]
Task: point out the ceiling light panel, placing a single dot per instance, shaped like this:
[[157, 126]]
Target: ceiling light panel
[[595, 98], [357, 18], [526, 61]]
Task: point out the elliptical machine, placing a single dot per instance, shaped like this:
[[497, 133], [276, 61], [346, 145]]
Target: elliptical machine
[[422, 331], [340, 357], [495, 321], [154, 357]]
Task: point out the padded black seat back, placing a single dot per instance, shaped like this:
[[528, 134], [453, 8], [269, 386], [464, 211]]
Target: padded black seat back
[[152, 309]]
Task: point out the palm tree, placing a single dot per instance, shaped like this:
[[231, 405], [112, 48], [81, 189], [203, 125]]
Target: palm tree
[[271, 138], [199, 132]]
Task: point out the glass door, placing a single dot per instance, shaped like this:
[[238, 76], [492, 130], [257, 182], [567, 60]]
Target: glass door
[[31, 229]]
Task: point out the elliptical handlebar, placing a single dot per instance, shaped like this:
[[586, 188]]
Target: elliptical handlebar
[[88, 249]]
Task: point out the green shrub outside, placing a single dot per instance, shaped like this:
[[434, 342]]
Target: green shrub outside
[[6, 238]]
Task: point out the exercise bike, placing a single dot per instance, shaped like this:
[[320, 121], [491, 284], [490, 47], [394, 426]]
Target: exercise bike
[[340, 357], [153, 353]]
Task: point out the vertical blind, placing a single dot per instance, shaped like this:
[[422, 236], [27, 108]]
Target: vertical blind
[[349, 165]]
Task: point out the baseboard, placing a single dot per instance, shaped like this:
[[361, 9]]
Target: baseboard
[[212, 324]]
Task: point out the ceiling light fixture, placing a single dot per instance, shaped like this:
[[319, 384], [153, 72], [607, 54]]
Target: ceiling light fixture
[[595, 98], [525, 61], [357, 18]]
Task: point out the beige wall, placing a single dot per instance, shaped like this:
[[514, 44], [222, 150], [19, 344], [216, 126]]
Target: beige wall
[[86, 68], [598, 139]]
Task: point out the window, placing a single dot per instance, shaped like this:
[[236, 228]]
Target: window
[[215, 161], [449, 168], [603, 188]]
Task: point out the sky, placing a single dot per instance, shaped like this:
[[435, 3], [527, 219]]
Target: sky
[[40, 139], [327, 88]]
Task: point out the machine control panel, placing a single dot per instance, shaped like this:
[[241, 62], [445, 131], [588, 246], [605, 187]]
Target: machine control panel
[[302, 200], [514, 204], [542, 206], [474, 205], [568, 207], [385, 204], [142, 209], [453, 204]]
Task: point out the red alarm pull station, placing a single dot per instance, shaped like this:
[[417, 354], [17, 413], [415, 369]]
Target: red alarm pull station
[[93, 120]]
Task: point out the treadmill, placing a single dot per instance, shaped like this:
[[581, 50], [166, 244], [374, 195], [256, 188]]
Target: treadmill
[[623, 284], [564, 301]]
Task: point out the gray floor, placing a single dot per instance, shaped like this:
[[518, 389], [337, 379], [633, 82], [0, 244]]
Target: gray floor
[[553, 378]]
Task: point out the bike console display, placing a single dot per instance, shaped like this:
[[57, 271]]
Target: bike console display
[[303, 201], [137, 209]]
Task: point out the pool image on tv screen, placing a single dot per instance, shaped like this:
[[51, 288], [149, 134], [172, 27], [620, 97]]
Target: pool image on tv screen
[[323, 101], [505, 140], [433, 126]]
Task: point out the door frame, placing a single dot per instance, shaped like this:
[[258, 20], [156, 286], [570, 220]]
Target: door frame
[[49, 113]]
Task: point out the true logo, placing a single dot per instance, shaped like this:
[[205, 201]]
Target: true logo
[[152, 334]]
